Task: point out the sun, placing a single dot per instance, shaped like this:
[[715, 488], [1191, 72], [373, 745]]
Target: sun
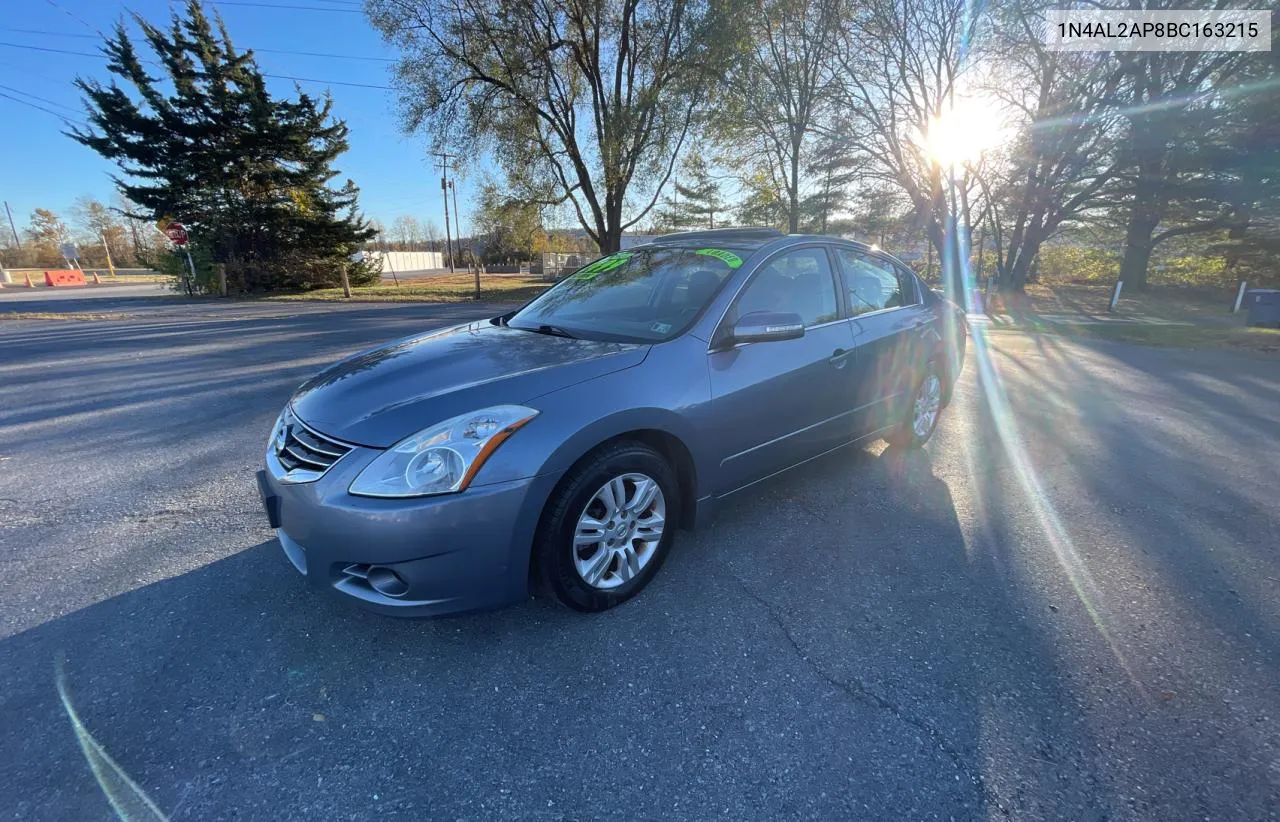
[[962, 133]]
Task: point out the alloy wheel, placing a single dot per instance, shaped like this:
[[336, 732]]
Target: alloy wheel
[[619, 530]]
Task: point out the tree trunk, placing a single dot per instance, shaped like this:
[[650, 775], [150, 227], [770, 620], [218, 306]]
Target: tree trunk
[[1016, 281], [611, 231], [793, 193], [1138, 246]]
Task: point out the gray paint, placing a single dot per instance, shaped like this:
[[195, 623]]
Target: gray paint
[[743, 412]]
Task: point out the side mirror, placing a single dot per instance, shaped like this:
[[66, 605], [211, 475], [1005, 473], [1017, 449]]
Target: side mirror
[[767, 326]]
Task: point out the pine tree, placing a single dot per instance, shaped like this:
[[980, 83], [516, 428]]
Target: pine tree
[[248, 173], [695, 204]]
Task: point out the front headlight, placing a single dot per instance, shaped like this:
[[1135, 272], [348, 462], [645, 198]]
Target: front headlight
[[442, 458]]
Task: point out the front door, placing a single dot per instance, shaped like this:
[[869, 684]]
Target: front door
[[778, 403]]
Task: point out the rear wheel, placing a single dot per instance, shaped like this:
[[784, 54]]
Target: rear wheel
[[608, 527], [922, 414]]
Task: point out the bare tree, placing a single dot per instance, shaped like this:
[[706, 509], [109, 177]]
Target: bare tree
[[406, 231], [431, 233], [778, 92], [590, 101], [98, 224], [1063, 154], [899, 66]]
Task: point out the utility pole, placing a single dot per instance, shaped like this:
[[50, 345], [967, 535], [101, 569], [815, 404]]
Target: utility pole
[[443, 165], [16, 241], [110, 265], [457, 215]]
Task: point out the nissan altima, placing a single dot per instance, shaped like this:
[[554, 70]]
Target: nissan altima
[[561, 446]]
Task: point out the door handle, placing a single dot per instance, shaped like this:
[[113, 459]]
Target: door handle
[[840, 356]]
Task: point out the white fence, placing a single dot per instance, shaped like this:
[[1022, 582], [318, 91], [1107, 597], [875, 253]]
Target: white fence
[[400, 261], [555, 264]]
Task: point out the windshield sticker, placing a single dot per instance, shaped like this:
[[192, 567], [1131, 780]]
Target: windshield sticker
[[603, 264], [727, 257], [660, 328]]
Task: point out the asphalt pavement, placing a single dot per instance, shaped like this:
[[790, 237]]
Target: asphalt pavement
[[1066, 607]]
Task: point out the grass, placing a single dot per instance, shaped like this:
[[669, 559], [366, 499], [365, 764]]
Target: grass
[[132, 279], [55, 315], [1170, 316], [450, 288]]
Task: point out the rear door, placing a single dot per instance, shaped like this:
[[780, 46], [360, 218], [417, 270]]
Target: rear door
[[887, 315], [778, 403]]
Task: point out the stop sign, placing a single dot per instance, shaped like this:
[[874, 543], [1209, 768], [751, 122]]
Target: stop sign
[[176, 232]]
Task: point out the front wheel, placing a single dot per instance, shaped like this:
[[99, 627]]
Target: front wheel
[[922, 414], [608, 527]]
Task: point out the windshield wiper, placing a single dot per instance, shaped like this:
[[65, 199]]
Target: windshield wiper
[[549, 330], [555, 331]]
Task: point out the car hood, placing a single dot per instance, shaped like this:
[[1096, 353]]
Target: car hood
[[380, 396]]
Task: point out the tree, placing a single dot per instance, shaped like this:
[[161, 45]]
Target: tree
[[47, 232], [1062, 156], [759, 202], [694, 203], [835, 168], [1173, 108], [431, 232], [899, 69], [1248, 163], [407, 231], [778, 92], [591, 102], [248, 172], [97, 225], [511, 229]]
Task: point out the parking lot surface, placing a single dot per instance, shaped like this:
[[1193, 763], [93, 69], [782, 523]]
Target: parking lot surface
[[1066, 607]]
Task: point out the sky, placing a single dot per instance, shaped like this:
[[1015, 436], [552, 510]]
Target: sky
[[40, 167]]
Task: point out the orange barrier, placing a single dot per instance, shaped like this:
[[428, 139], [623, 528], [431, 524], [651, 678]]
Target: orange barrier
[[53, 279]]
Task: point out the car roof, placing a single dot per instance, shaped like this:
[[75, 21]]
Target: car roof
[[753, 238]]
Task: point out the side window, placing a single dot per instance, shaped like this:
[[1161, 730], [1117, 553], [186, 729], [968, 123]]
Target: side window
[[872, 283], [910, 294], [797, 282]]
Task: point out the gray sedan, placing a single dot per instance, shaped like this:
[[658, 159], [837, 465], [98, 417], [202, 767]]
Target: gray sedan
[[562, 445]]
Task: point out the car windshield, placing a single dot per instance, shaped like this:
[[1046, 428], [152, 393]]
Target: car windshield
[[642, 295]]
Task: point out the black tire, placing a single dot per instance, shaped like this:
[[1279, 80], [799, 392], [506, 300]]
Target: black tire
[[553, 545], [906, 435]]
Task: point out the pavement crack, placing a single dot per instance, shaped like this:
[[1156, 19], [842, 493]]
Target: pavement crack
[[860, 692]]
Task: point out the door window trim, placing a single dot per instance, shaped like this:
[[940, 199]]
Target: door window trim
[[836, 284], [894, 267]]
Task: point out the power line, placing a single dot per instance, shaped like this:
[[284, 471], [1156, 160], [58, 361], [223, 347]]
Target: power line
[[274, 76], [50, 33], [38, 97], [55, 51], [323, 54], [327, 82], [42, 108], [76, 17], [326, 55]]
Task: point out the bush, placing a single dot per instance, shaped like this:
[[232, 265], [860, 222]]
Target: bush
[[1077, 264], [1195, 269]]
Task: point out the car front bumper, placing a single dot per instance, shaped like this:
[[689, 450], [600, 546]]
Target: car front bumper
[[452, 553]]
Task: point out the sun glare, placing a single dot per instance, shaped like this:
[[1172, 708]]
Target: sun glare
[[961, 134]]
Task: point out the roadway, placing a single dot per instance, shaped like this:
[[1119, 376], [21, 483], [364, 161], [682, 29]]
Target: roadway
[[1067, 606]]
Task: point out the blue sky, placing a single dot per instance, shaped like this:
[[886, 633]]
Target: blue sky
[[39, 167]]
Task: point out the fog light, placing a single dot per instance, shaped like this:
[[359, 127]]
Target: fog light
[[387, 582]]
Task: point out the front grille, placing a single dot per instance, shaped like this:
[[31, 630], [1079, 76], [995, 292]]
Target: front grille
[[303, 451]]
